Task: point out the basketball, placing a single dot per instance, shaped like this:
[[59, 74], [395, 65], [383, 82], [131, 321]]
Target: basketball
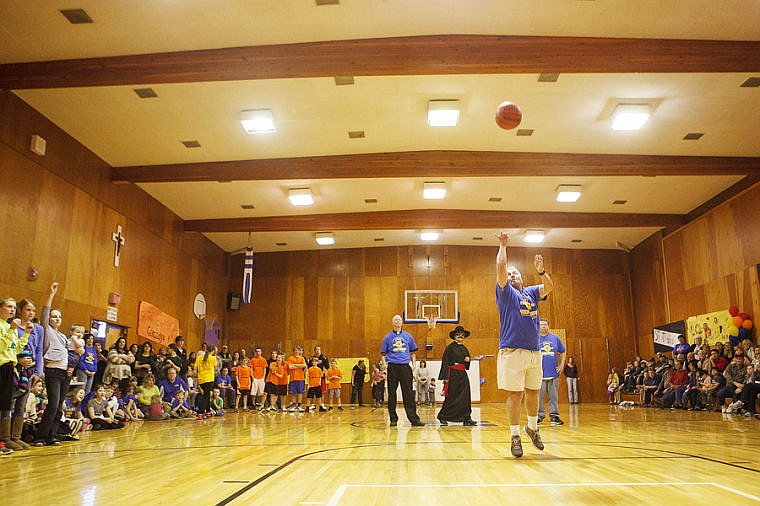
[[508, 115]]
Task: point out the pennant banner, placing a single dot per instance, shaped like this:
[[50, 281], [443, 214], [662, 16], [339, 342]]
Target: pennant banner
[[248, 275]]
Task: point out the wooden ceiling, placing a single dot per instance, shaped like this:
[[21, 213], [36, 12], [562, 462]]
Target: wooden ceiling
[[85, 94]]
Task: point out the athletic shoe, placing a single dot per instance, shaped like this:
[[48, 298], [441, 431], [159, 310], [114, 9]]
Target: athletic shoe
[[534, 436], [757, 416], [516, 447], [290, 409], [301, 410], [340, 408], [443, 422], [469, 423], [322, 409], [393, 424], [556, 420], [540, 419], [330, 408], [418, 423]]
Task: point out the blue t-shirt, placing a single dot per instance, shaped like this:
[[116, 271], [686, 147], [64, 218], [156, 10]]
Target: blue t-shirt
[[681, 348], [518, 317], [398, 347], [170, 389], [550, 345], [88, 361]]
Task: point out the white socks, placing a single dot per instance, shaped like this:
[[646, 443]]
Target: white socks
[[533, 422]]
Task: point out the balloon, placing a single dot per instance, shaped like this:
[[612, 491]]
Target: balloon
[[747, 324], [733, 331], [743, 316], [743, 334], [737, 321], [733, 310]]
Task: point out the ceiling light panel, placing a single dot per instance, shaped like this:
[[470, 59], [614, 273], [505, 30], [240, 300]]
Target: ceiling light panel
[[568, 193], [534, 236], [325, 238], [429, 236], [257, 121], [300, 196], [433, 191], [627, 117], [443, 113]]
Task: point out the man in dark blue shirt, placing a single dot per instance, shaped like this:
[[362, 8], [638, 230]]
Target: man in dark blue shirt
[[399, 350]]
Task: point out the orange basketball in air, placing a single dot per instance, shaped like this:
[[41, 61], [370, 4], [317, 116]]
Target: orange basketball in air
[[508, 115]]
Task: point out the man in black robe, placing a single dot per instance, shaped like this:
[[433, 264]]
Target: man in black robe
[[456, 385]]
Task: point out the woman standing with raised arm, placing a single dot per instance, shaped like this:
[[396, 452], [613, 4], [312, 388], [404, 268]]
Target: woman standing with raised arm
[[55, 355]]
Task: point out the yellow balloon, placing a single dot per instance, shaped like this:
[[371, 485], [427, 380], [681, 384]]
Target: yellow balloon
[[733, 331]]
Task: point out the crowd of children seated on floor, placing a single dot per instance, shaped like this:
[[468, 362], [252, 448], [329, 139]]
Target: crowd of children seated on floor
[[721, 377], [106, 389]]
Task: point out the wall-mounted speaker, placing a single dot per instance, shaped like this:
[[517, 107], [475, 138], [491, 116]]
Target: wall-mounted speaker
[[233, 301]]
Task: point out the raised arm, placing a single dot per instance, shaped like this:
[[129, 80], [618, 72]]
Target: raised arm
[[501, 260], [547, 285]]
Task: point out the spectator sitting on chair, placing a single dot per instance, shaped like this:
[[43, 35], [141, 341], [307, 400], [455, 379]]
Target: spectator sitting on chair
[[735, 375]]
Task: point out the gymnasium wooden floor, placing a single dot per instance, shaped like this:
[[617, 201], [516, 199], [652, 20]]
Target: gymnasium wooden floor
[[602, 455]]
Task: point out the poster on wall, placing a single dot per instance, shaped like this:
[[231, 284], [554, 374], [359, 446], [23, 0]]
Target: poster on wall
[[155, 325], [666, 336], [711, 327]]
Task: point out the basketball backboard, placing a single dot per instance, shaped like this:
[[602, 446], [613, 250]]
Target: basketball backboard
[[420, 305]]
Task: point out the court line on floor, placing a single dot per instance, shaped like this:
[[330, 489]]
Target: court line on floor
[[342, 488]]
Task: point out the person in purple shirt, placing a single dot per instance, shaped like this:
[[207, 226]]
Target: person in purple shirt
[[171, 385], [26, 311], [224, 383], [399, 350], [518, 367], [88, 363]]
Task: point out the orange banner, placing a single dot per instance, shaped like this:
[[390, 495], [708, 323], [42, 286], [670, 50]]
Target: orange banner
[[154, 324]]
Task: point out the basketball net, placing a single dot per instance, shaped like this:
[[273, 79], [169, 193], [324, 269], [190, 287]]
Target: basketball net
[[431, 321]]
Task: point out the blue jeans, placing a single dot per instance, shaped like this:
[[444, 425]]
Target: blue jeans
[[550, 386]]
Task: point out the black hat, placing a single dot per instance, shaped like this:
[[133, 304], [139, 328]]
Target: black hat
[[457, 330]]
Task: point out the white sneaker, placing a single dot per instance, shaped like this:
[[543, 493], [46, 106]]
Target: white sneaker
[[291, 409], [301, 410]]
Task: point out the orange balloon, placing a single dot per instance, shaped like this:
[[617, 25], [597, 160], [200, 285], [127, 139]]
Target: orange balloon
[[737, 321], [747, 324]]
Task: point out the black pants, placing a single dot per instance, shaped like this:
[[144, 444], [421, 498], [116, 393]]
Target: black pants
[[356, 391], [57, 384], [203, 405], [401, 374]]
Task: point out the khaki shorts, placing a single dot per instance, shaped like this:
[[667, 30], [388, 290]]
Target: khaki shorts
[[517, 370]]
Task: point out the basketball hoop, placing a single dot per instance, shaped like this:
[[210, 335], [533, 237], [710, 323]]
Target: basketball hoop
[[431, 321]]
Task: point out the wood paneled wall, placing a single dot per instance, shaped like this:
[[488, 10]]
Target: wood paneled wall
[[344, 299], [707, 265], [59, 213]]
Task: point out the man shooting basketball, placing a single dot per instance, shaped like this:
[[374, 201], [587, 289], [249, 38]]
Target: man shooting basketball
[[519, 369]]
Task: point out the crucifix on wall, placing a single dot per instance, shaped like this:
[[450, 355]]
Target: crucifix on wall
[[119, 239]]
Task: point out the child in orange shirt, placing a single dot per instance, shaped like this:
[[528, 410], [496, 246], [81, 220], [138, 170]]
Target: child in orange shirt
[[278, 380], [258, 365], [243, 375], [297, 368], [315, 386], [333, 376]]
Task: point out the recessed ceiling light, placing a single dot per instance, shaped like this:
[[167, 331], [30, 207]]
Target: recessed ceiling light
[[443, 113], [477, 238], [327, 2], [619, 202], [751, 82], [76, 16], [257, 121], [247, 206], [145, 92], [576, 240], [356, 134], [300, 196], [533, 236], [325, 238], [344, 80], [568, 193], [280, 244], [524, 132], [630, 116], [548, 78], [494, 199], [693, 136], [191, 144], [379, 239], [433, 190], [429, 236], [370, 201]]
